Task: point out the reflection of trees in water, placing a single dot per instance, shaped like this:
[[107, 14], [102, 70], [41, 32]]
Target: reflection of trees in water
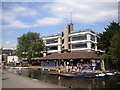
[[29, 73], [77, 82], [36, 74]]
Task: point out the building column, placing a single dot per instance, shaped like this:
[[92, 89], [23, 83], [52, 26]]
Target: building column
[[95, 43], [88, 37], [59, 46], [89, 46], [88, 43], [59, 49], [103, 65]]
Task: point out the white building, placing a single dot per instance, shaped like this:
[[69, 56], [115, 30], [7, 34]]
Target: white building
[[53, 43], [71, 41], [83, 40], [12, 59]]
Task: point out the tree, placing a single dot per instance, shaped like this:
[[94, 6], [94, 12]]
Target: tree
[[107, 43], [114, 49], [105, 37], [30, 45]]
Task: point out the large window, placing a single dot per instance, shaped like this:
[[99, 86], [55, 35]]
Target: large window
[[49, 41], [79, 45], [93, 46], [52, 47], [79, 37], [92, 37]]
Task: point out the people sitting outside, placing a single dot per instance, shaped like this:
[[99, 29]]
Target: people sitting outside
[[59, 69], [71, 68], [67, 68]]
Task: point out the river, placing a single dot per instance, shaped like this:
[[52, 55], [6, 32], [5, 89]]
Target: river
[[76, 82]]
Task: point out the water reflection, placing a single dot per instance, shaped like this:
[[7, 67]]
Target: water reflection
[[78, 82]]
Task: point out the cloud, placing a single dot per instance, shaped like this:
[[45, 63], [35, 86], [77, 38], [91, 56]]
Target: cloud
[[15, 24], [13, 13], [23, 11], [84, 12], [57, 13], [48, 21], [8, 44]]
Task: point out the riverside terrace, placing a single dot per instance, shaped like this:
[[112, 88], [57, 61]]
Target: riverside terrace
[[87, 60]]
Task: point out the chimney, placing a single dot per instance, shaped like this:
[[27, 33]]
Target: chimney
[[70, 27]]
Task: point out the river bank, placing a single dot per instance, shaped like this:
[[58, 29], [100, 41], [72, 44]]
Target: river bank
[[10, 80]]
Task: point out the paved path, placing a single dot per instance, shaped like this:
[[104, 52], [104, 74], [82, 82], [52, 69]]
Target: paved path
[[10, 80]]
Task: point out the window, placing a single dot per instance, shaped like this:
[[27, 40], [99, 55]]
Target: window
[[79, 45], [69, 39], [69, 46], [49, 41], [62, 34], [79, 37], [52, 47], [92, 37], [63, 41], [93, 46]]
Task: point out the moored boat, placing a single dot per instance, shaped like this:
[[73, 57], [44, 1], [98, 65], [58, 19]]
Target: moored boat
[[109, 73]]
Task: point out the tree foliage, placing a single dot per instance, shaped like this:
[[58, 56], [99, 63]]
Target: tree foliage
[[114, 49], [109, 41], [105, 37], [30, 45]]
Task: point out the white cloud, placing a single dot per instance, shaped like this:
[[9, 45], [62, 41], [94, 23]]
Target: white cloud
[[82, 12], [23, 11], [48, 21], [11, 17], [9, 44], [85, 12], [15, 24]]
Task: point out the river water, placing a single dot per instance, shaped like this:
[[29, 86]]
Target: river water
[[76, 82]]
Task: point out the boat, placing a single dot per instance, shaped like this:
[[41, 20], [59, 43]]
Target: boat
[[109, 73], [100, 75], [95, 75], [70, 74]]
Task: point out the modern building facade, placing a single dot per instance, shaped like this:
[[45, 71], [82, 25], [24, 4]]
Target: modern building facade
[[53, 43], [71, 41]]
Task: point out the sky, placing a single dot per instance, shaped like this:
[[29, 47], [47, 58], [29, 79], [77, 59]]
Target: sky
[[49, 17]]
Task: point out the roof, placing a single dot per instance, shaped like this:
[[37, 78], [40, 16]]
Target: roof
[[73, 55], [83, 30]]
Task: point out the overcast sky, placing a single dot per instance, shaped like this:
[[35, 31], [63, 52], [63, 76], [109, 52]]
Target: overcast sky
[[49, 18]]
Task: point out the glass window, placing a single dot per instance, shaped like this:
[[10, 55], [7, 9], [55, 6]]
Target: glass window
[[79, 37], [49, 41], [52, 47], [79, 45], [62, 41], [62, 34], [92, 37], [69, 39], [93, 46]]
